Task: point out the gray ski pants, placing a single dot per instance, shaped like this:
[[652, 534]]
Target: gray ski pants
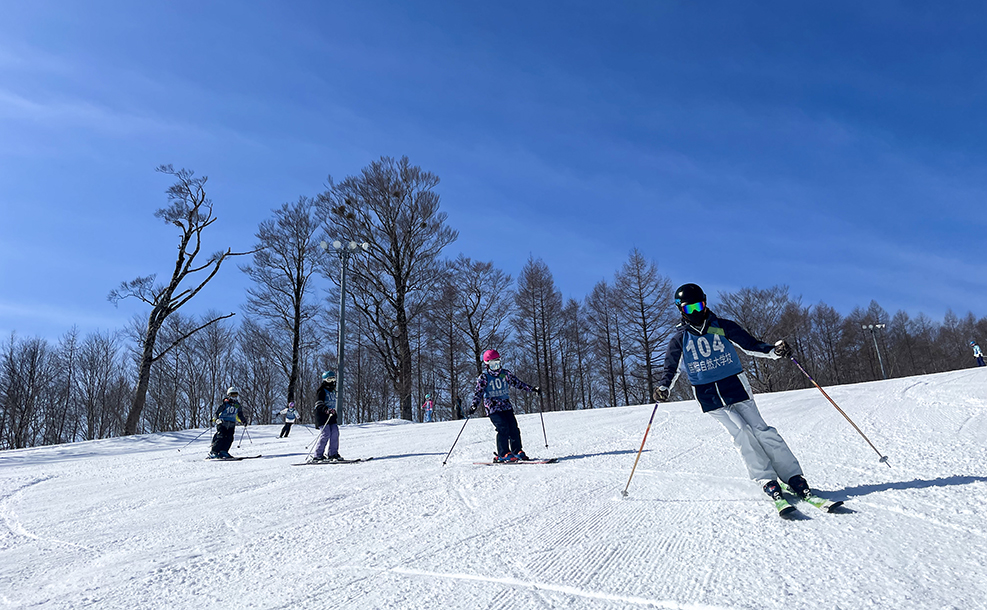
[[765, 453]]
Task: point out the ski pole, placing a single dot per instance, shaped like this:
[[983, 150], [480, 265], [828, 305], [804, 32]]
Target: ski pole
[[884, 458], [194, 439], [541, 414], [653, 411], [456, 441], [241, 437]]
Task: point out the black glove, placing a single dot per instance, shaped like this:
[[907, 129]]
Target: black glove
[[661, 394], [783, 349], [536, 390], [471, 411]]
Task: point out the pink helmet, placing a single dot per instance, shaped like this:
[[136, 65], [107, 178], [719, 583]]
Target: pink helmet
[[490, 354]]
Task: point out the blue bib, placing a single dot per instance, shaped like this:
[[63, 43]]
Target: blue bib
[[229, 411], [710, 357], [497, 386]]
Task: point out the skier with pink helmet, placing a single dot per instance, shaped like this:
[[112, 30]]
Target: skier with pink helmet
[[493, 389]]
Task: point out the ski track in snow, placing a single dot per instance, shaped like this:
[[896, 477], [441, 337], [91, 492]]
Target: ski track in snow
[[573, 591], [133, 523]]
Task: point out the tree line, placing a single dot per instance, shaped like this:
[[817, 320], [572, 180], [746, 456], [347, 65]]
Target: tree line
[[417, 322]]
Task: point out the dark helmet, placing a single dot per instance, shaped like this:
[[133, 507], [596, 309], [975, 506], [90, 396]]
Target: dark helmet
[[691, 302]]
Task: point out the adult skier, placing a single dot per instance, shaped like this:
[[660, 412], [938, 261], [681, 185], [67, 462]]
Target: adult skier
[[493, 389], [427, 407], [227, 417], [977, 353], [704, 347], [325, 418], [290, 415]]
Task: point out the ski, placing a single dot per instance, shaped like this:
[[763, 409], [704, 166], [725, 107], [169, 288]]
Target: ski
[[545, 461], [324, 462], [785, 509], [821, 503], [233, 459]]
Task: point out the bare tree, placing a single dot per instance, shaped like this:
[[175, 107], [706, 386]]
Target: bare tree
[[286, 258], [191, 211], [646, 298], [762, 313], [484, 302], [538, 322], [393, 206]]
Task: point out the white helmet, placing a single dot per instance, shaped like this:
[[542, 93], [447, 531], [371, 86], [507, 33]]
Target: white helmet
[[232, 391]]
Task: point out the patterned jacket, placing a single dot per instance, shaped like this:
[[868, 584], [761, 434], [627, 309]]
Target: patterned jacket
[[492, 389]]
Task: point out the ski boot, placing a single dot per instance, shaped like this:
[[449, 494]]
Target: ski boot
[[798, 486], [522, 456], [773, 489]]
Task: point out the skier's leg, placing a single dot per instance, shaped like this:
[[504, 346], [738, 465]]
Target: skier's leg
[[514, 434], [333, 440], [757, 462], [498, 419], [226, 440], [287, 430], [320, 446], [783, 461], [217, 441]]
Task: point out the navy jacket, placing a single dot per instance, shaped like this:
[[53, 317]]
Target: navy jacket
[[726, 391]]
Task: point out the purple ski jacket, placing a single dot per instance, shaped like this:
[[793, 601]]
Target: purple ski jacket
[[491, 388]]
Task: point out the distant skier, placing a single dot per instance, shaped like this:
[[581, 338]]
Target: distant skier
[[977, 353], [704, 347], [325, 418], [427, 408], [290, 415], [492, 388], [227, 417]]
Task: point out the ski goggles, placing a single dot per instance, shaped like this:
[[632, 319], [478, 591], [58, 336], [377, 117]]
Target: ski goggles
[[494, 365], [693, 307]]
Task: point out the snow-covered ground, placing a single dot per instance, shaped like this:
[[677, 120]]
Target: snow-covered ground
[[134, 523]]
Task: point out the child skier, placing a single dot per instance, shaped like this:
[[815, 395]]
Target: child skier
[[290, 415], [227, 417], [492, 387], [704, 347], [325, 418], [977, 353], [427, 407]]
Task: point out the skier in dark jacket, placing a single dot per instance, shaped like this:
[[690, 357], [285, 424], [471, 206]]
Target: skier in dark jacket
[[227, 417], [704, 348], [492, 388], [325, 418]]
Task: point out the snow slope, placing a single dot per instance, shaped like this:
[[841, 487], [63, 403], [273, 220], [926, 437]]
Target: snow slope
[[134, 523]]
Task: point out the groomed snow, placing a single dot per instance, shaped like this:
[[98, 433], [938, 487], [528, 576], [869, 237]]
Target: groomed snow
[[134, 523]]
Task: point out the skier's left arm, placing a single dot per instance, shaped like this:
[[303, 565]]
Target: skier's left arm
[[512, 379], [751, 346]]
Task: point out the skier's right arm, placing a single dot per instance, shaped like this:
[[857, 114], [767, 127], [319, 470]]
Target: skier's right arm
[[481, 385], [673, 358]]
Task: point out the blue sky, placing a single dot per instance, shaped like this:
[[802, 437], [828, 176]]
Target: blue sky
[[838, 148]]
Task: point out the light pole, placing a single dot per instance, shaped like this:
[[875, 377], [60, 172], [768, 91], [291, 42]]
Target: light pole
[[344, 250], [873, 328]]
